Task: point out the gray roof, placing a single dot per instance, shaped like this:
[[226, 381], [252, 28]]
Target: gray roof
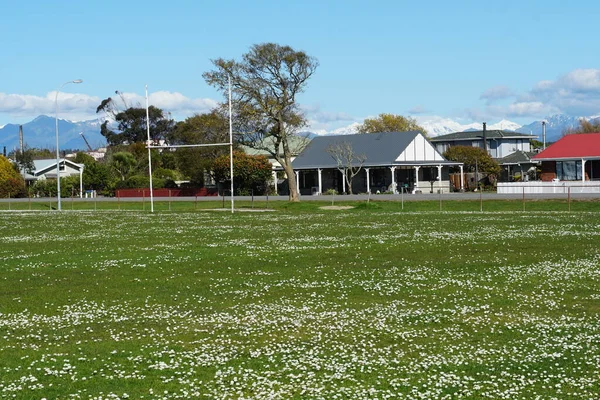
[[518, 157], [478, 135], [380, 149]]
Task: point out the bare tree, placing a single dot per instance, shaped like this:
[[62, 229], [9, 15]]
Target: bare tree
[[348, 162], [265, 84], [585, 126]]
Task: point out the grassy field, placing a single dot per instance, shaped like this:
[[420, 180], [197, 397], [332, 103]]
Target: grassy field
[[300, 303], [434, 204]]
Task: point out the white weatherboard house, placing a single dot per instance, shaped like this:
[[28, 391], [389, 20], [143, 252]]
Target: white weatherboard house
[[392, 160], [46, 169]]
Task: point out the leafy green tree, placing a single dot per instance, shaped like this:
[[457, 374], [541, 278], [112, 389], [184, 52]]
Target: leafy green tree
[[265, 84], [11, 181], [536, 144], [390, 123], [473, 157], [249, 172], [124, 163], [208, 128], [96, 175], [140, 182], [131, 124], [24, 160]]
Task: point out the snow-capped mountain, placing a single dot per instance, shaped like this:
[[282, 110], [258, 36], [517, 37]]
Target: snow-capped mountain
[[345, 130], [556, 125], [41, 133], [435, 126]]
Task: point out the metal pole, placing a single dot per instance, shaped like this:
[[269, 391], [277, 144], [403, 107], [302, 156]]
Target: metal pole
[[401, 196], [523, 198], [58, 205], [230, 144], [149, 153], [544, 134], [569, 198]]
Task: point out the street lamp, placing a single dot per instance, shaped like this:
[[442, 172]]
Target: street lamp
[[57, 151]]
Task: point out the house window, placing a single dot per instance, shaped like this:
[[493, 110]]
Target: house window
[[568, 170]]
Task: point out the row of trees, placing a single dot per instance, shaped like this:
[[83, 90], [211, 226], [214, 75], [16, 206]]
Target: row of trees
[[265, 84]]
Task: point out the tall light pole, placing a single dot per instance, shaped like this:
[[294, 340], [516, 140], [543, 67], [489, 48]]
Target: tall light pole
[[58, 207]]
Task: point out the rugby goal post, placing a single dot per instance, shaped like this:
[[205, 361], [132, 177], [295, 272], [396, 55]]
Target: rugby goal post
[[150, 145]]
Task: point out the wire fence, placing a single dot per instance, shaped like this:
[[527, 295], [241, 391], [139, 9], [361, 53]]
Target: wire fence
[[521, 199]]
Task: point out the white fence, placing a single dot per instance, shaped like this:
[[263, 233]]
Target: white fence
[[548, 187]]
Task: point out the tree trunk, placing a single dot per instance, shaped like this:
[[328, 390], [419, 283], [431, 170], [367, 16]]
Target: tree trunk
[[291, 178]]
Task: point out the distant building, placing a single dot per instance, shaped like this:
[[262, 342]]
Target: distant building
[[46, 169], [574, 157], [97, 154], [393, 161], [499, 143]]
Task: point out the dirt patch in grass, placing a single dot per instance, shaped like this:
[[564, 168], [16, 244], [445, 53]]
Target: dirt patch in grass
[[336, 207]]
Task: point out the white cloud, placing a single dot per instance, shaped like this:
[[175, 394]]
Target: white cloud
[[524, 109], [576, 93], [496, 93], [77, 106], [418, 109], [325, 122]]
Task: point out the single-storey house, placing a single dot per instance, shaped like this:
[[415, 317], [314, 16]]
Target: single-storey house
[[390, 161], [570, 165], [46, 169], [518, 165], [498, 143], [574, 157]]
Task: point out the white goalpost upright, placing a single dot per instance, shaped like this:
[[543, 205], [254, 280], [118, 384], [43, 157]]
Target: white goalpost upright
[[150, 146], [149, 152]]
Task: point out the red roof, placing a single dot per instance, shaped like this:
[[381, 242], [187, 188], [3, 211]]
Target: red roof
[[582, 145]]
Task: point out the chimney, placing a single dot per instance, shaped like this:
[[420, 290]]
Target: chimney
[[485, 147], [544, 134]]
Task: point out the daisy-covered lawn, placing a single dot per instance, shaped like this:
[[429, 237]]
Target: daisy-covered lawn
[[344, 304]]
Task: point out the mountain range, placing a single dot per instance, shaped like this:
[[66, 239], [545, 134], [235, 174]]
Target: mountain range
[[41, 132]]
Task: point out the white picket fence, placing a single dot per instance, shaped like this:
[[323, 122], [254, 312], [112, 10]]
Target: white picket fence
[[548, 187]]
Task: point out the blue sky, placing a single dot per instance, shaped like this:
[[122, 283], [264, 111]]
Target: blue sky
[[467, 61]]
